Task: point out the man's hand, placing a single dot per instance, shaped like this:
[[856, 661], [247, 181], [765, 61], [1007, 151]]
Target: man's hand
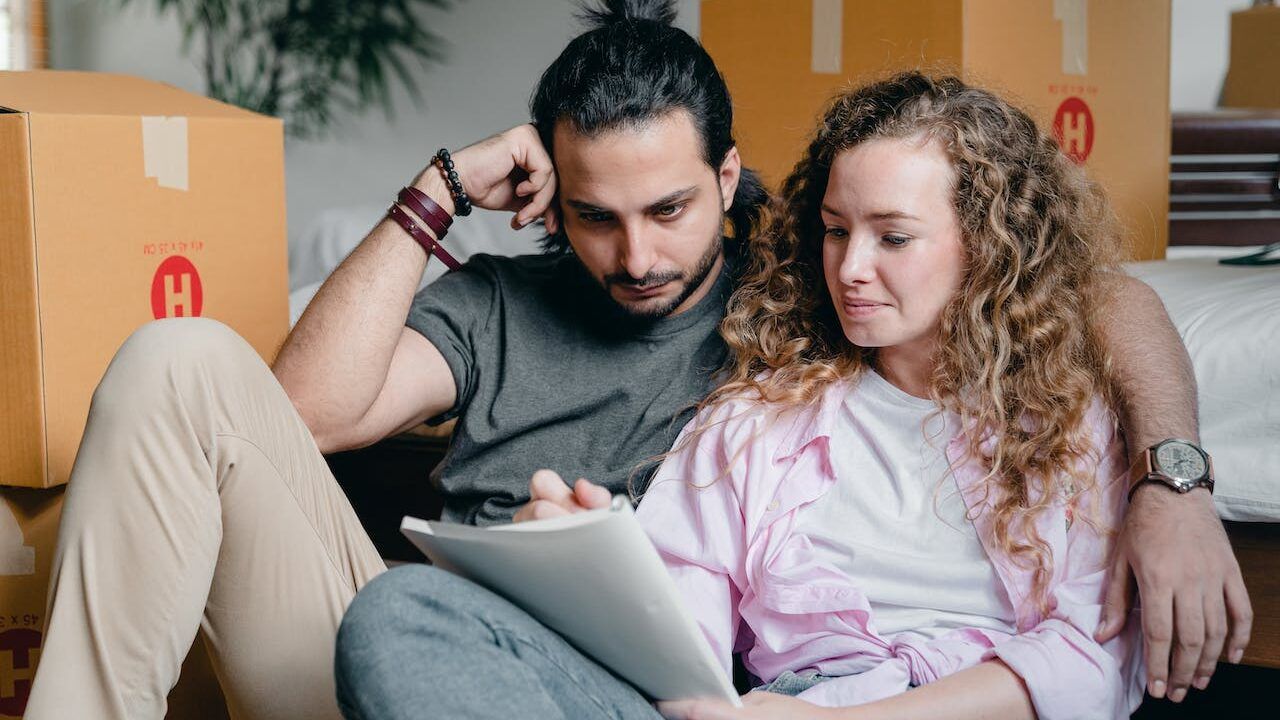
[[549, 497], [1193, 596], [510, 171]]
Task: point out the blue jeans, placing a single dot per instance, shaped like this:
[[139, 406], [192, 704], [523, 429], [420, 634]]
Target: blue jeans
[[419, 642]]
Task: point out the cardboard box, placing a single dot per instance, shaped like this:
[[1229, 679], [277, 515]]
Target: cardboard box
[[28, 529], [1096, 72], [122, 201], [28, 532], [1253, 77]]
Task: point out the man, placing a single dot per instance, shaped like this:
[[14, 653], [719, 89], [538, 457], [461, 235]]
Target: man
[[200, 498]]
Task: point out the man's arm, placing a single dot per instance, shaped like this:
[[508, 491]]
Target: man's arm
[[1193, 596], [352, 369]]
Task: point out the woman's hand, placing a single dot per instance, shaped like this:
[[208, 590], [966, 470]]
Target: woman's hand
[[755, 706], [550, 496]]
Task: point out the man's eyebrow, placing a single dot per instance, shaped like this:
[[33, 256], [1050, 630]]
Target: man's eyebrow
[[667, 199], [584, 206], [671, 197]]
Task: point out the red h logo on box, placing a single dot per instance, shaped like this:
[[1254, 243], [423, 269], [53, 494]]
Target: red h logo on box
[[19, 650], [1073, 126], [176, 290]]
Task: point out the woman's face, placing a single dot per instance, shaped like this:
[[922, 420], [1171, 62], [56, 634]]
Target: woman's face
[[892, 253]]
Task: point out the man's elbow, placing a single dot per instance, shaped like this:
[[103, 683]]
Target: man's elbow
[[323, 429]]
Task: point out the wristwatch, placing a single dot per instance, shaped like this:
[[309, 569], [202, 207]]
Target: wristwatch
[[1180, 464]]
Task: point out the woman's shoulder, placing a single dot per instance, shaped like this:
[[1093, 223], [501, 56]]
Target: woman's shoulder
[[741, 413]]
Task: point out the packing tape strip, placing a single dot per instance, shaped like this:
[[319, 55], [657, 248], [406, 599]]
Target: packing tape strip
[[164, 151], [1074, 16], [827, 45]]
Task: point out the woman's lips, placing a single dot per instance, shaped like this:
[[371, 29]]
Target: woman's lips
[[861, 308]]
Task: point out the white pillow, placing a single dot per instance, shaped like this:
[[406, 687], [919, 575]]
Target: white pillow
[[331, 235]]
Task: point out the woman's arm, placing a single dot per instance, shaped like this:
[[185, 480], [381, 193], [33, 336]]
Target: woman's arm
[[988, 691], [692, 514]]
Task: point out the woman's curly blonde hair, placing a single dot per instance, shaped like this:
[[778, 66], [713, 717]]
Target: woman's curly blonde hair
[[1018, 357]]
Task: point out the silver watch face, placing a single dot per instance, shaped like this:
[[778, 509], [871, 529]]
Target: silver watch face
[[1181, 461]]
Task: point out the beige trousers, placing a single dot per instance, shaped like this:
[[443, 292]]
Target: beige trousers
[[198, 502]]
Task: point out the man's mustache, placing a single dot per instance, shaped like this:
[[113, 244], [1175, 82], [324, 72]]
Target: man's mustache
[[649, 280]]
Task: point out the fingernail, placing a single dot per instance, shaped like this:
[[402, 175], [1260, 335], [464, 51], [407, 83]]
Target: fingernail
[[1237, 655], [1201, 682], [1157, 689], [1177, 694]]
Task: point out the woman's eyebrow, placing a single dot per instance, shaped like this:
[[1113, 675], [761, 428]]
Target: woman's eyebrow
[[892, 215]]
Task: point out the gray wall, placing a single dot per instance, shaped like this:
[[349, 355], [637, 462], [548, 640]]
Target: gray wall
[[1201, 37], [498, 49]]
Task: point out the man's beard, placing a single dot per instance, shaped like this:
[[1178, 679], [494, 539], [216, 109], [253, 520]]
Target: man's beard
[[692, 281]]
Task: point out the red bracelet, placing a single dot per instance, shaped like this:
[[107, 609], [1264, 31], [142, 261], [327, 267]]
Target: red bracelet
[[431, 213], [417, 233]]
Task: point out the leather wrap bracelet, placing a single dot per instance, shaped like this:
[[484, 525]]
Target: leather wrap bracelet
[[431, 213], [418, 234]]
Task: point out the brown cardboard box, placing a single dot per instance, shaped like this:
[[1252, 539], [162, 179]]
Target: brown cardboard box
[[28, 528], [122, 201], [1098, 72], [28, 532], [1253, 77]]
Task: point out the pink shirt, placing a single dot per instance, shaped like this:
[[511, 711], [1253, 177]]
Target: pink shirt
[[726, 532]]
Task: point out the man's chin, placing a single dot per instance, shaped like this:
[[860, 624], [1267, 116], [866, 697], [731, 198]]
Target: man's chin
[[652, 308]]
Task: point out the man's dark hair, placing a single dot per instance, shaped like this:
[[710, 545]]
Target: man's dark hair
[[630, 68]]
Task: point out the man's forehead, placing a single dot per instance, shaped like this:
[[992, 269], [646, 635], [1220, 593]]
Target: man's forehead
[[636, 163]]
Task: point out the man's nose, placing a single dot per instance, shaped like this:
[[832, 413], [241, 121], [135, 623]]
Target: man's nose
[[637, 251]]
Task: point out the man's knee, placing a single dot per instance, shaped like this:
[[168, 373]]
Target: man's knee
[[179, 340], [161, 348]]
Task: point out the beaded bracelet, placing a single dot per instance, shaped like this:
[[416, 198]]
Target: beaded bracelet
[[462, 203]]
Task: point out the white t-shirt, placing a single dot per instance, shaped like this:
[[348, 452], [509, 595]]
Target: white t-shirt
[[895, 523]]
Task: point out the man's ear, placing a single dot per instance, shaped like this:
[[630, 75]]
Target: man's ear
[[730, 172], [551, 218]]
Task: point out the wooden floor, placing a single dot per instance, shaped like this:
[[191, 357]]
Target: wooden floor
[[1240, 692], [1257, 547]]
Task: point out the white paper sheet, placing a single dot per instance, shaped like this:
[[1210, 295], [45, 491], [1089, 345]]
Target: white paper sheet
[[595, 578]]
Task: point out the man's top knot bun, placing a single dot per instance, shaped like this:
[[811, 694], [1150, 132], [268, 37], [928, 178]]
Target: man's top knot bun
[[604, 13]]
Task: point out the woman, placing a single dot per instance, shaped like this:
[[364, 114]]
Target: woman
[[909, 480]]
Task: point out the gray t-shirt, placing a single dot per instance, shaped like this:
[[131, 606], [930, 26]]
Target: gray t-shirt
[[551, 374]]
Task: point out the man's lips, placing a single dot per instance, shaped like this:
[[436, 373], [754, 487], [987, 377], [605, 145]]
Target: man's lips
[[643, 291]]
